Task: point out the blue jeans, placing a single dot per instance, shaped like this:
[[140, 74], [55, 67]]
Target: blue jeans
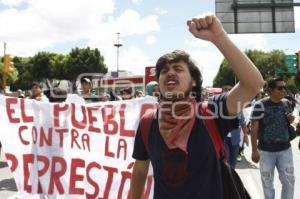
[[232, 151], [283, 161]]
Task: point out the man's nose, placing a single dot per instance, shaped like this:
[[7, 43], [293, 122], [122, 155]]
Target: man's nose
[[171, 72]]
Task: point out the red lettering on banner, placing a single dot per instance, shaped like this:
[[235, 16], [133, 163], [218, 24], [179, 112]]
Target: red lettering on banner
[[126, 175], [21, 129], [91, 181], [85, 138], [55, 175], [123, 131], [14, 161], [58, 169], [106, 151], [78, 124], [74, 177], [43, 137], [27, 159], [109, 180], [122, 144], [61, 135], [74, 134], [56, 110], [10, 111], [108, 120], [43, 170], [92, 119], [34, 135], [25, 117]]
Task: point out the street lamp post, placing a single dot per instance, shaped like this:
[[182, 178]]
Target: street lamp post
[[118, 45]]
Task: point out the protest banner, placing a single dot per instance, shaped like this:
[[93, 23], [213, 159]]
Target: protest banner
[[72, 150]]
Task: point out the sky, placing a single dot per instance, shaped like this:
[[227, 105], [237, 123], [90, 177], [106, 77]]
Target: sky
[[148, 29]]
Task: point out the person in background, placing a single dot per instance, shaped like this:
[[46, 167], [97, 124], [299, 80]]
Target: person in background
[[86, 91], [127, 93], [270, 121], [138, 93], [152, 89], [37, 93], [233, 138], [105, 97], [20, 93]]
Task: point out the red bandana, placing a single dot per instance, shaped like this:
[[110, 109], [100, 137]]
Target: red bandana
[[175, 121]]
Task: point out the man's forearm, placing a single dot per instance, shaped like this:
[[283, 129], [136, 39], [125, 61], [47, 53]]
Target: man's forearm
[[254, 139], [137, 185]]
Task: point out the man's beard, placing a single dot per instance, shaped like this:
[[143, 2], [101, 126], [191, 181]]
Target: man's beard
[[177, 96]]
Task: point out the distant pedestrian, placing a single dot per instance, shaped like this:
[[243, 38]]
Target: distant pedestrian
[[152, 89], [86, 91], [37, 92], [270, 126]]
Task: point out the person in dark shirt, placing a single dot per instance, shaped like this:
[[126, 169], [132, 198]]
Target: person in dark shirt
[[185, 164], [269, 125]]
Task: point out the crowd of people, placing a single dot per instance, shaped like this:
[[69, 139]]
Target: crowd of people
[[179, 147]]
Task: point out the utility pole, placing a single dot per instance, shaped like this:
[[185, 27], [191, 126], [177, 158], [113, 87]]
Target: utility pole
[[4, 49], [118, 45]]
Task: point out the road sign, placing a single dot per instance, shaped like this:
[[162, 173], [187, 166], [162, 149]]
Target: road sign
[[291, 61], [256, 16]]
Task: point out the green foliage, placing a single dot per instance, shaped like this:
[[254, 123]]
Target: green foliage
[[46, 65], [84, 61], [266, 62]]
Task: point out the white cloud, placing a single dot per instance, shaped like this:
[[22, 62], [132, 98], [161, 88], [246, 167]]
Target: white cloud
[[44, 24], [250, 41], [134, 59], [206, 57], [128, 24], [136, 1], [150, 40], [209, 59], [12, 3], [161, 11]]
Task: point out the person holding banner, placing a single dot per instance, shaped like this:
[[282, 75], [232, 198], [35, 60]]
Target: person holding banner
[[185, 164], [86, 93], [37, 93]]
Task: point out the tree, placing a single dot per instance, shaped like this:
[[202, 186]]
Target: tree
[[42, 65], [25, 73], [49, 66], [84, 60], [266, 62]]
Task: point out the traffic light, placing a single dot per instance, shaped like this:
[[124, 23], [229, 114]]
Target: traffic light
[[8, 65], [298, 59]]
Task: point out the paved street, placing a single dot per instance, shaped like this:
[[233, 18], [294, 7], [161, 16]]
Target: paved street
[[250, 175], [7, 184], [246, 168]]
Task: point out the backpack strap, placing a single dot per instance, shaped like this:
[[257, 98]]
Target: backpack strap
[[212, 130], [145, 126]]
